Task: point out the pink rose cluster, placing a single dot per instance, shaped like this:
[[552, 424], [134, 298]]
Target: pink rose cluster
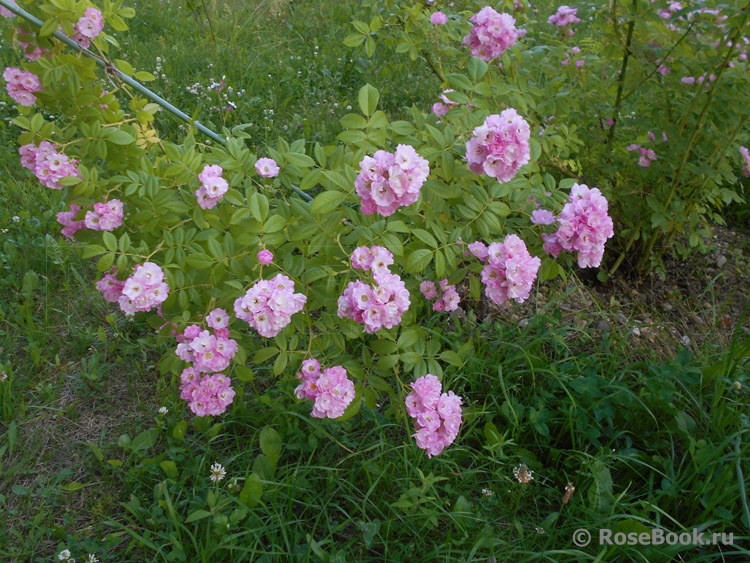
[[647, 155], [213, 187], [142, 291], [267, 167], [387, 181], [449, 299], [500, 146], [564, 16], [7, 13], [437, 415], [570, 55], [88, 27], [492, 34], [209, 395], [47, 164], [510, 270], [268, 306], [375, 306], [584, 227], [208, 352], [67, 220], [442, 107], [22, 85], [746, 164], [332, 391], [105, 216]]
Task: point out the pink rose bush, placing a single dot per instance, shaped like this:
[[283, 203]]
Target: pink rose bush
[[268, 306], [22, 85], [585, 226], [500, 146], [209, 395], [387, 181], [331, 391], [492, 34], [213, 187], [437, 415], [47, 164], [375, 306], [449, 299], [510, 270], [267, 167], [141, 292]]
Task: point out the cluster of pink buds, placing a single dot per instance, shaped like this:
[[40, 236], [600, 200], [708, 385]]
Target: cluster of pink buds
[[332, 391], [268, 306], [647, 155], [746, 161], [209, 395], [208, 352], [213, 187], [142, 291], [437, 415], [442, 107], [375, 306], [510, 270], [47, 164], [570, 55], [22, 85], [449, 299]]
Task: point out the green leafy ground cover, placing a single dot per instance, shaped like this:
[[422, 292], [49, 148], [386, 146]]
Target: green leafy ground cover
[[648, 438]]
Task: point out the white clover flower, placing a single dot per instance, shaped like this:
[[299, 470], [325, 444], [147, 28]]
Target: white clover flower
[[217, 472], [92, 558], [64, 555], [163, 411]]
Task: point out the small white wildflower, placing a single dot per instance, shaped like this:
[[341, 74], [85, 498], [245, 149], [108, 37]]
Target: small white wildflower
[[64, 555], [217, 472], [737, 386], [539, 530], [92, 559], [15, 218], [487, 492], [163, 411]]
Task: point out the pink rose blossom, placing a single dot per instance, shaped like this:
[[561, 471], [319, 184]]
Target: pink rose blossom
[[438, 18], [267, 167], [437, 415], [332, 391], [268, 306], [492, 34], [500, 146], [265, 257]]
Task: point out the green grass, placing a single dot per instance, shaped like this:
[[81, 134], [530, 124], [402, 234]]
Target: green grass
[[87, 463]]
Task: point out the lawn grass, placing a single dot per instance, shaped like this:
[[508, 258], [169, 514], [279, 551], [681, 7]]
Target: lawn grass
[[88, 463]]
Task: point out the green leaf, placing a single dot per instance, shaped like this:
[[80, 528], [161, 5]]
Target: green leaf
[[93, 250], [297, 159], [354, 39], [425, 237], [121, 138], [197, 515], [144, 76], [368, 99], [145, 440], [477, 68], [353, 121], [200, 261], [327, 202], [179, 430], [74, 486], [270, 444], [169, 468], [265, 354], [251, 491], [418, 260], [274, 224], [452, 358], [109, 241]]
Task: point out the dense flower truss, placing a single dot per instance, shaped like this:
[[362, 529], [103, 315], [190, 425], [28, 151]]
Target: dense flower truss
[[387, 181], [213, 187], [585, 226], [449, 299], [565, 16], [375, 306], [88, 27], [141, 292], [206, 395], [500, 146], [22, 85], [268, 306], [332, 391], [492, 34], [437, 415], [47, 164], [510, 270]]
